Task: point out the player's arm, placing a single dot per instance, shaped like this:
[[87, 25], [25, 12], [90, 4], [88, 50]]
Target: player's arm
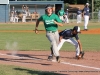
[[80, 45], [83, 13], [37, 24], [36, 27], [60, 37], [57, 21], [79, 42]]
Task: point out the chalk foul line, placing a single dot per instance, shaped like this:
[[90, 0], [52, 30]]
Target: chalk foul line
[[81, 66]]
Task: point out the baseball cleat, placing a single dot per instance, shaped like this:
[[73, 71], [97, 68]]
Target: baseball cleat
[[78, 57], [50, 57], [58, 59]]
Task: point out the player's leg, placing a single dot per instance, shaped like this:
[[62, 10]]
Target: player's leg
[[61, 43], [85, 22], [79, 54], [86, 19], [51, 37], [56, 36], [11, 19], [23, 18], [57, 42], [14, 19], [67, 20], [77, 18], [80, 18], [73, 42], [51, 56]]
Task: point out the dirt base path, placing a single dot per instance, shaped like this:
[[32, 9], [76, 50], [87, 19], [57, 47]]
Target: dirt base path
[[90, 65]]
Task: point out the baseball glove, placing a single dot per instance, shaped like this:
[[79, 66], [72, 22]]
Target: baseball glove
[[81, 55]]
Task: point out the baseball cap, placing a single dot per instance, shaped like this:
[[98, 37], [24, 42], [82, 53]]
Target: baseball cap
[[48, 6], [87, 3], [77, 28]]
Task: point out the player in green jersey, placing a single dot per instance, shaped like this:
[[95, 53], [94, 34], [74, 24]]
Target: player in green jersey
[[51, 22]]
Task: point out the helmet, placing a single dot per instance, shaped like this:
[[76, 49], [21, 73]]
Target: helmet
[[48, 6]]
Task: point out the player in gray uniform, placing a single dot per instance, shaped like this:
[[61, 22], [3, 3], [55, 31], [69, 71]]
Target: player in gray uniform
[[86, 16], [51, 23]]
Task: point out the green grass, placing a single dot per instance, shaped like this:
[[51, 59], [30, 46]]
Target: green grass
[[31, 26], [32, 41], [15, 70]]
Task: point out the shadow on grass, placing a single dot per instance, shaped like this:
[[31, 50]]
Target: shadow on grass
[[33, 72]]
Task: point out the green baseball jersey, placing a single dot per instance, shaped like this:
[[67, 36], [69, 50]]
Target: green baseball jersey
[[61, 12], [49, 22]]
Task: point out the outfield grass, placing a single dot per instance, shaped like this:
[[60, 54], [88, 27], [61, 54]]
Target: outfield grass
[[32, 41], [15, 70]]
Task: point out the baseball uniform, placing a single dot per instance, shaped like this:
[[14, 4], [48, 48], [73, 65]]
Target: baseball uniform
[[66, 17], [61, 14], [68, 37], [79, 12], [86, 16], [51, 30]]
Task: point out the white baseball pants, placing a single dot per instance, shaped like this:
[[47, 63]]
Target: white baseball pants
[[24, 18], [79, 18], [73, 42], [61, 18], [11, 19], [86, 20], [54, 40], [66, 19]]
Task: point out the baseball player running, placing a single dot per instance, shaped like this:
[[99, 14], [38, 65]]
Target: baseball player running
[[86, 16], [51, 23]]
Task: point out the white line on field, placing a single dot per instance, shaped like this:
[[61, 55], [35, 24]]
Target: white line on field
[[81, 65], [60, 62]]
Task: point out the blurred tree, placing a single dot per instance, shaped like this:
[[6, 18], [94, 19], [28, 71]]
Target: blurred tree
[[75, 1], [96, 5]]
